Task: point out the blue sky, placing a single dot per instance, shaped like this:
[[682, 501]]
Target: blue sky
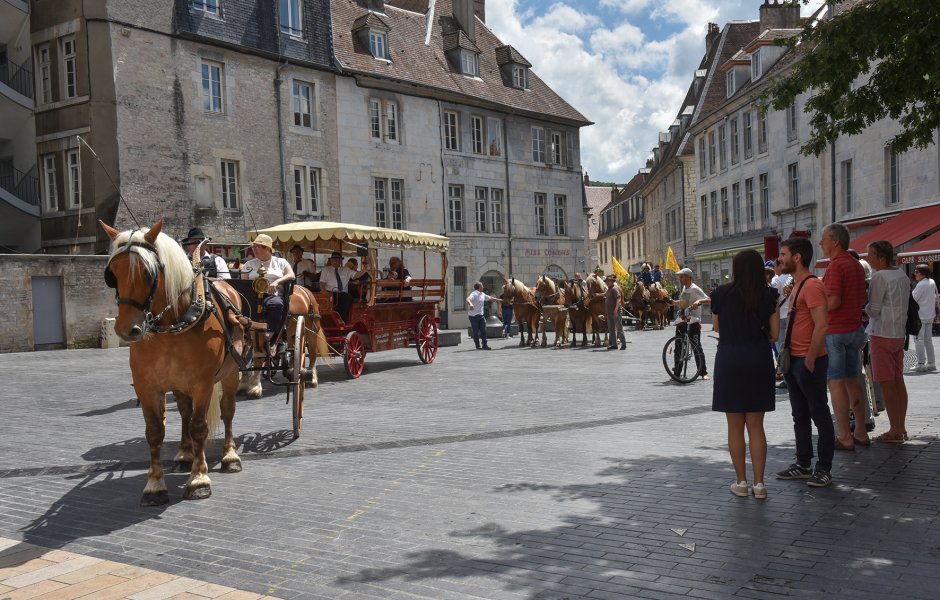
[[625, 64]]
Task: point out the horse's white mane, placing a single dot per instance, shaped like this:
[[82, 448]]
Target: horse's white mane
[[177, 268], [547, 281]]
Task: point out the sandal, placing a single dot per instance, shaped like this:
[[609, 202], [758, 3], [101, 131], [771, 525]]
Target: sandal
[[859, 442], [841, 446], [890, 438]]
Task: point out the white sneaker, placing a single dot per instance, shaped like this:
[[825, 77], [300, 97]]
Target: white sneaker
[[760, 491], [930, 367], [740, 489], [918, 369]]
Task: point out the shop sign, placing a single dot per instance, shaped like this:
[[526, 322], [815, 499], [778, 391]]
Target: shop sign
[[546, 252], [555, 272], [920, 258]]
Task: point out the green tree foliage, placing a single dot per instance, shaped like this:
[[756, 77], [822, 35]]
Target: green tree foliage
[[879, 59]]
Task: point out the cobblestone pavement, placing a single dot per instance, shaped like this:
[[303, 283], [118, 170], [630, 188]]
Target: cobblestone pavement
[[517, 473]]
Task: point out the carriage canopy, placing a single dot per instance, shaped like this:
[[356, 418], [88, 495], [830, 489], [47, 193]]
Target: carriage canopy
[[329, 236]]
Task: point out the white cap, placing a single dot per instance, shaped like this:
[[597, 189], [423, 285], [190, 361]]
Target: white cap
[[686, 271]]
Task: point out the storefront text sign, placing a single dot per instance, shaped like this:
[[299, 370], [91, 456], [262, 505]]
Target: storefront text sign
[[547, 252]]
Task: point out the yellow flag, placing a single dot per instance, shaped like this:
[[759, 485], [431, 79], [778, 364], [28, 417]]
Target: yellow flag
[[671, 264], [619, 271]]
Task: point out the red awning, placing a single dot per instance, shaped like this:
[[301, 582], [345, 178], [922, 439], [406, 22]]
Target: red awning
[[901, 228], [926, 250]]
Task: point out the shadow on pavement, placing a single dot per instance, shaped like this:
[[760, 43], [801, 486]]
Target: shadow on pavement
[[127, 404], [803, 542]]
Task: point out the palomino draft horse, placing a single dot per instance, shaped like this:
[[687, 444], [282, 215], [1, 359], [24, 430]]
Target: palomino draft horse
[[527, 310], [551, 297], [594, 302], [660, 304], [183, 339], [639, 302], [571, 295]]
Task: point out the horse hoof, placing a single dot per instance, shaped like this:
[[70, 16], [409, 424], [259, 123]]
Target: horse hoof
[[182, 466], [199, 493], [234, 466], [155, 498]]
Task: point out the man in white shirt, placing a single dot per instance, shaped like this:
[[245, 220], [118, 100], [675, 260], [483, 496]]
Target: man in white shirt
[[213, 264], [334, 278], [305, 270], [476, 302], [692, 297], [783, 283], [925, 294]]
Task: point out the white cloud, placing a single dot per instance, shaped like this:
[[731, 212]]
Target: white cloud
[[628, 80]]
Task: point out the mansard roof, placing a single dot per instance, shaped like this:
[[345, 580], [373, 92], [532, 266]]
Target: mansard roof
[[507, 54], [424, 69], [769, 37], [733, 38]]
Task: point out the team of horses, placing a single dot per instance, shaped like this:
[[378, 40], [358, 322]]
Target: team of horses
[[577, 307]]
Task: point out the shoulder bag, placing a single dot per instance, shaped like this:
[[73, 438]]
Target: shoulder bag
[[783, 357]]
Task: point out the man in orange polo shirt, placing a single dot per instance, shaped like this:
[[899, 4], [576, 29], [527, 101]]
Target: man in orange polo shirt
[[846, 295], [806, 377]]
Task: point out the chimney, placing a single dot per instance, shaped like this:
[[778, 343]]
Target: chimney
[[463, 13], [614, 192], [779, 15], [713, 32], [479, 9], [587, 180], [375, 5]]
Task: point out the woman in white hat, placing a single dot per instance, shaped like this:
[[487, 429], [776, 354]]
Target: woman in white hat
[[277, 271]]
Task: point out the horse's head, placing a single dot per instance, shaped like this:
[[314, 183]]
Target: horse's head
[[545, 290], [143, 263]]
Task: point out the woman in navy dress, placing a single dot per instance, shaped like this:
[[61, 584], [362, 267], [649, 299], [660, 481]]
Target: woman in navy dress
[[744, 312]]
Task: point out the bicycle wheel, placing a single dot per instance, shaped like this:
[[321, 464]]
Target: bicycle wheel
[[683, 359]]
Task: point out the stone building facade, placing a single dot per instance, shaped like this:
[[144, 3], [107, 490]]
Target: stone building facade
[[445, 129], [622, 232], [755, 188]]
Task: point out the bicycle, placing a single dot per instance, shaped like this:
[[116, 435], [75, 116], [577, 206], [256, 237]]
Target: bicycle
[[679, 351]]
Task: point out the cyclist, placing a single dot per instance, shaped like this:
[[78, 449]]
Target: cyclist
[[691, 297]]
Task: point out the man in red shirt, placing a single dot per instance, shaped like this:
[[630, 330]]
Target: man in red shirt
[[845, 296]]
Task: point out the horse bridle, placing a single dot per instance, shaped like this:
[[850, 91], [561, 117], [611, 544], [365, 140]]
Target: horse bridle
[[110, 279]]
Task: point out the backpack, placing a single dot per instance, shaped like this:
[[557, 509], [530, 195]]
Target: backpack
[[912, 326]]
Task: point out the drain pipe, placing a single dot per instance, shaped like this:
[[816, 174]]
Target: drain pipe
[[832, 161], [507, 195], [280, 137]]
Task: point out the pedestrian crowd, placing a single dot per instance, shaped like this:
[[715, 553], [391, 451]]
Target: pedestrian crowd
[[822, 331]]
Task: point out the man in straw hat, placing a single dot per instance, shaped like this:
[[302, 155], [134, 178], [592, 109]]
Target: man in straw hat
[[213, 264], [335, 278], [277, 271]]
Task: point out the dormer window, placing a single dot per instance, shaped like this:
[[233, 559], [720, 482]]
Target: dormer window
[[378, 43], [756, 69], [469, 63], [520, 77], [291, 21], [207, 6], [730, 83]]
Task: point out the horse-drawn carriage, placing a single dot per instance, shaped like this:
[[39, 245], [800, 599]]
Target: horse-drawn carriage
[[385, 313], [196, 337]]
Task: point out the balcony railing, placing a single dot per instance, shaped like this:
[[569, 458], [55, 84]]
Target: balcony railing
[[22, 185], [18, 77]]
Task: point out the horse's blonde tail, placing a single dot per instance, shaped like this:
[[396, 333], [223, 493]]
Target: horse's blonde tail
[[323, 349], [214, 415]]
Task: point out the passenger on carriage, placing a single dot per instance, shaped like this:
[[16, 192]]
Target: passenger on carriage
[[305, 270], [358, 284], [213, 264], [395, 265], [277, 271], [335, 278]]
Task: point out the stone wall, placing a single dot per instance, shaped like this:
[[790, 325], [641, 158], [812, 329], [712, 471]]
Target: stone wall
[[85, 299]]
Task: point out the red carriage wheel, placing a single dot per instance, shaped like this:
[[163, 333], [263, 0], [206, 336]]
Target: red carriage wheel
[[354, 354], [426, 339]]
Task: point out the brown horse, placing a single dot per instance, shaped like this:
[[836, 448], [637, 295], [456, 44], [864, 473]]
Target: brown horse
[[175, 349], [527, 310], [659, 305], [640, 302], [573, 294], [551, 297], [594, 302]]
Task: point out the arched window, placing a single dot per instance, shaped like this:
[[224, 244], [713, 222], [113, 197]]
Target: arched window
[[493, 282]]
